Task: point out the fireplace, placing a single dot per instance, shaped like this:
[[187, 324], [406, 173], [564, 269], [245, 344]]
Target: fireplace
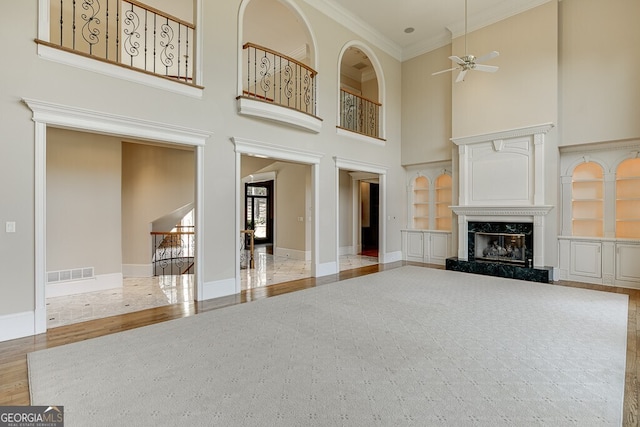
[[501, 224], [506, 242]]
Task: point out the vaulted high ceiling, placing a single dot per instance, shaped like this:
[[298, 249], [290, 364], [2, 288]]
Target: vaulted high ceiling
[[383, 22]]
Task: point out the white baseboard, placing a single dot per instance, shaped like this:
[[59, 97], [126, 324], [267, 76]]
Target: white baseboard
[[327, 269], [97, 283], [390, 257], [16, 325], [347, 250], [137, 270], [293, 254], [217, 289]]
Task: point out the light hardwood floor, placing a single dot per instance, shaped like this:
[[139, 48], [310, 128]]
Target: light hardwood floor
[[14, 388]]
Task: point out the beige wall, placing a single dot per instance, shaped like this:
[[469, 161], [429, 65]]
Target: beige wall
[[290, 205], [600, 83], [524, 91], [346, 209], [155, 181], [426, 108], [83, 201], [292, 200]]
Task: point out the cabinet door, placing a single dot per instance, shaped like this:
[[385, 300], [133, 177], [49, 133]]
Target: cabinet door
[[439, 248], [586, 259], [415, 250], [628, 262]]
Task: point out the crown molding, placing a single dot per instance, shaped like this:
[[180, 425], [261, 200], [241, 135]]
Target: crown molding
[[478, 20], [352, 22]]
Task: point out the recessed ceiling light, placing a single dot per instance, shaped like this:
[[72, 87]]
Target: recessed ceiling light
[[409, 30]]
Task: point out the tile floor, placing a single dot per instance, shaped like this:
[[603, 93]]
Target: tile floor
[[142, 293]]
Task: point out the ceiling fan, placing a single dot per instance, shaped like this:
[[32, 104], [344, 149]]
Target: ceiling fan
[[470, 62]]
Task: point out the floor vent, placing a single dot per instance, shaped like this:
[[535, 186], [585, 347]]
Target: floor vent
[[69, 275]]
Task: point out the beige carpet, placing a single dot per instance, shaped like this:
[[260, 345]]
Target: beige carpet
[[409, 346]]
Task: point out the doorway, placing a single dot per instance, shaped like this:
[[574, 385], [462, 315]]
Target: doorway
[[258, 206], [369, 218]]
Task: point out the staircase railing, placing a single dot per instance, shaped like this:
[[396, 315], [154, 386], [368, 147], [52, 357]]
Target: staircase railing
[[173, 251], [127, 33], [276, 78], [359, 114], [247, 259]]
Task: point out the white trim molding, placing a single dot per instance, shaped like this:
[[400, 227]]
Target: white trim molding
[[17, 325], [280, 114], [273, 151], [381, 172], [56, 115], [505, 134]]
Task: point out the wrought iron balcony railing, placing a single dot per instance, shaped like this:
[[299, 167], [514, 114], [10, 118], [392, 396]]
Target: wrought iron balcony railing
[[124, 32], [173, 251], [359, 114], [276, 78]]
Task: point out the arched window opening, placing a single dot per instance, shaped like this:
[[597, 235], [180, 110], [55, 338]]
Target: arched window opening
[[277, 57], [360, 107]]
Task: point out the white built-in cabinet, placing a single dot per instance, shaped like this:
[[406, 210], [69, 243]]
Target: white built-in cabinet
[[600, 203], [427, 237], [426, 246]]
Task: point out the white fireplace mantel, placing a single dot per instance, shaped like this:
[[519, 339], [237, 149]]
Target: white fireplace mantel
[[502, 178], [494, 211]]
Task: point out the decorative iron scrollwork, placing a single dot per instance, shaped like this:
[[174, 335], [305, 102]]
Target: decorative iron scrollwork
[[89, 31], [166, 32], [132, 22]]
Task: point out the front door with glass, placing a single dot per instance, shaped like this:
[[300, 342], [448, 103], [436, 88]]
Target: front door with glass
[[259, 210]]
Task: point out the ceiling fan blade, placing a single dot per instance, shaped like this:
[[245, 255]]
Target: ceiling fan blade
[[445, 71], [457, 60], [487, 57], [461, 76], [486, 68]]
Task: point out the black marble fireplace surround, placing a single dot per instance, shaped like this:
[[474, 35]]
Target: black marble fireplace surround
[[521, 268]]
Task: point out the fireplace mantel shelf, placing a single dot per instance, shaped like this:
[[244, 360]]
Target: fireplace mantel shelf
[[496, 210]]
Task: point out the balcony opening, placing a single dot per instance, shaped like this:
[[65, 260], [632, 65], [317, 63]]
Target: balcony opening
[[277, 80], [360, 106], [154, 38]]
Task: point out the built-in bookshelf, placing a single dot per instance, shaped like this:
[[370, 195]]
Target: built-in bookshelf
[[421, 203], [587, 203], [628, 199], [443, 202]]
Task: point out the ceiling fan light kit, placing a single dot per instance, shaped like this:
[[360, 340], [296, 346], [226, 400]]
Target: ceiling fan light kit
[[469, 62]]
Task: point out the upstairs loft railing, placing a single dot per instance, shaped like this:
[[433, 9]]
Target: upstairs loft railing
[[359, 114], [276, 78], [173, 252], [124, 32]]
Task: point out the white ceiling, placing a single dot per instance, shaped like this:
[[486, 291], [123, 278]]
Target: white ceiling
[[382, 22]]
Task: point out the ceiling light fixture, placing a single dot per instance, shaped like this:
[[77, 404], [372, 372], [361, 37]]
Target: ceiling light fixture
[[470, 62]]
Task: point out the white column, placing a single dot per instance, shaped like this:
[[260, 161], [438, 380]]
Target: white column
[[538, 241], [539, 175], [463, 237], [463, 186]]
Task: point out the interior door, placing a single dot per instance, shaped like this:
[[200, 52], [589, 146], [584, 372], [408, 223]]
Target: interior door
[[259, 210]]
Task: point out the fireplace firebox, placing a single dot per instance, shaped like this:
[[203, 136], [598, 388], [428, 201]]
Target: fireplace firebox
[[501, 247], [501, 242]]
